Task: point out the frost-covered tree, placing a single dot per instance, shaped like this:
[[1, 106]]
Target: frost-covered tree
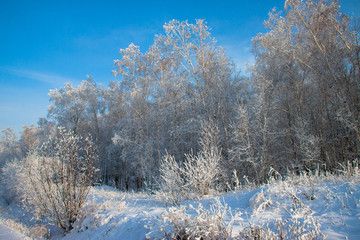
[[183, 79], [78, 108], [29, 139], [301, 100], [242, 154], [10, 147], [307, 67]]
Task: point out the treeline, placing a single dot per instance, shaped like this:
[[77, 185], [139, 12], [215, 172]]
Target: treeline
[[299, 108]]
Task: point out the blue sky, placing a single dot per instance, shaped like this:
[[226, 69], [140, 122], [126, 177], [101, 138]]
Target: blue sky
[[44, 44]]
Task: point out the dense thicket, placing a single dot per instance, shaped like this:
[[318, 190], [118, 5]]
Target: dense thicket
[[298, 108]]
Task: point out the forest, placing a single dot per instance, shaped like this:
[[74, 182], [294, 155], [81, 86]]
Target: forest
[[181, 120]]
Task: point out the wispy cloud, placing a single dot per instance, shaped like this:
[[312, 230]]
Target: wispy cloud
[[45, 77]]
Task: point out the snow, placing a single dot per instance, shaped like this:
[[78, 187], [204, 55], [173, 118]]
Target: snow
[[117, 215], [330, 204], [10, 234], [335, 205]]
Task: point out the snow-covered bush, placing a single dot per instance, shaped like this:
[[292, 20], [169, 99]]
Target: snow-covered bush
[[9, 182], [56, 180], [199, 222], [201, 171], [290, 198], [96, 212], [10, 148], [350, 169], [197, 177], [172, 183], [254, 232], [39, 232]]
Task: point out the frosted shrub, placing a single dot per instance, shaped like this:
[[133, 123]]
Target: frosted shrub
[[287, 196], [201, 171], [350, 169], [9, 181], [172, 184], [56, 179], [300, 228], [198, 175], [253, 232], [40, 232], [199, 223]]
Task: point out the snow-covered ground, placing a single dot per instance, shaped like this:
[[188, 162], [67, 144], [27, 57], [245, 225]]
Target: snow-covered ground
[[328, 207], [10, 234], [330, 204]]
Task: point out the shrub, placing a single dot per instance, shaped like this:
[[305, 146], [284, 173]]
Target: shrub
[[202, 171], [9, 181], [202, 224], [198, 175], [172, 183], [57, 178]]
